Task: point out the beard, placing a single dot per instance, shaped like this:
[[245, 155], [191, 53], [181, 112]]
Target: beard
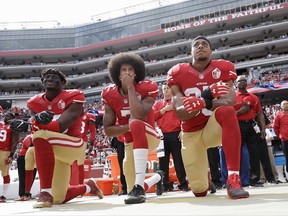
[[201, 58]]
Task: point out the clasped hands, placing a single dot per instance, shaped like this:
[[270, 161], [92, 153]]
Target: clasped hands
[[192, 103]]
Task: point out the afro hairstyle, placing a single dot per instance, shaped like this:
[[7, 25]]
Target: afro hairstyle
[[118, 60]]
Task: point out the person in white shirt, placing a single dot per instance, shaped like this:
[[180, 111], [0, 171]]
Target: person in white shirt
[[269, 137]]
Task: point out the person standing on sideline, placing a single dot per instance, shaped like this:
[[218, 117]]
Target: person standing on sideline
[[265, 165], [203, 98], [170, 126], [128, 112], [88, 136], [247, 107], [56, 135], [8, 144], [280, 126], [26, 169], [118, 144], [272, 178]]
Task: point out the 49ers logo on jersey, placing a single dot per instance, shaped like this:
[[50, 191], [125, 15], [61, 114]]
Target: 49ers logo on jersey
[[216, 73], [61, 104]]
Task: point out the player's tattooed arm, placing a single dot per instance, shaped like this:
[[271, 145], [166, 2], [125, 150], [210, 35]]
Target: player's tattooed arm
[[109, 123]]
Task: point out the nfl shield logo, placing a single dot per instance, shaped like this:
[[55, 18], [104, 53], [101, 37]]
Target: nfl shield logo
[[216, 73]]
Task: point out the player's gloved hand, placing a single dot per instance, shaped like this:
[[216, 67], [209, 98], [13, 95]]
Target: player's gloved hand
[[219, 88], [192, 104], [19, 125], [44, 117]]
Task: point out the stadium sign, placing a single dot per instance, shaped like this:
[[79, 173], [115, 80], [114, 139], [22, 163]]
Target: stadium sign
[[224, 18]]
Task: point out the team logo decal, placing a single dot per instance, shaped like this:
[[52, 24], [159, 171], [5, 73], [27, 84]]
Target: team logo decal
[[61, 104], [216, 73], [84, 117], [125, 101], [49, 107]]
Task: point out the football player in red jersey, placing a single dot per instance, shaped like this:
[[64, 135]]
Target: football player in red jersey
[[8, 144], [203, 99], [56, 125], [129, 102], [88, 125]]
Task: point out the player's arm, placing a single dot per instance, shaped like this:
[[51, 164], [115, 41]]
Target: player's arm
[[261, 121], [276, 125], [15, 140], [247, 103], [92, 129], [109, 121], [177, 103], [139, 109], [69, 116]]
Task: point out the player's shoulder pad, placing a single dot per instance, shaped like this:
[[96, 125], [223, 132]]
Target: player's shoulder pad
[[74, 95], [150, 87], [227, 66], [73, 92], [108, 89], [222, 63], [34, 99], [175, 69]]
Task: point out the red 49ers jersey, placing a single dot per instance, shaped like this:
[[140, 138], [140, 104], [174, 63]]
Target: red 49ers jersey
[[193, 82], [39, 103], [86, 117], [120, 103], [5, 137], [25, 145]]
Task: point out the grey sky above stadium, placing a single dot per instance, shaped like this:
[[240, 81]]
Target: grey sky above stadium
[[65, 12]]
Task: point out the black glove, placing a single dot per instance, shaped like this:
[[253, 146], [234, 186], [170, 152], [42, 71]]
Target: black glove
[[208, 97], [44, 117], [19, 125]]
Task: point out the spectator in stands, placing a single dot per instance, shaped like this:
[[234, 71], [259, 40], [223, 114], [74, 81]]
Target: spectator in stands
[[170, 126], [280, 126], [128, 102]]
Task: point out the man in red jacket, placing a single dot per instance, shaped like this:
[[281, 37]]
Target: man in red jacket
[[280, 127], [170, 126]]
